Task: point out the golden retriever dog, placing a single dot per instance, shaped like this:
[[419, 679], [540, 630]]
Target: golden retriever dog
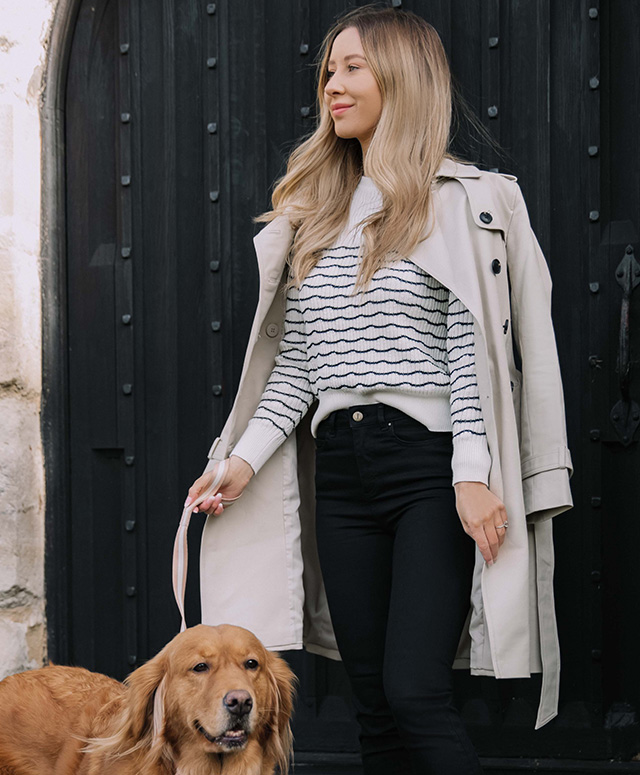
[[214, 701]]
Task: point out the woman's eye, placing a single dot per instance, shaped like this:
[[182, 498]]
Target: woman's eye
[[201, 667], [251, 664], [350, 68]]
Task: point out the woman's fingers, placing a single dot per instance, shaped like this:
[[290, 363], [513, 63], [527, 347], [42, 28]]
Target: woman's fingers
[[481, 513], [499, 520], [493, 541], [198, 487], [237, 475], [210, 505], [488, 538], [480, 537], [215, 504]]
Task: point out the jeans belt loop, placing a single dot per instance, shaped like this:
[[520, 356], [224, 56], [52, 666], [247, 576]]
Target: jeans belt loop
[[381, 415]]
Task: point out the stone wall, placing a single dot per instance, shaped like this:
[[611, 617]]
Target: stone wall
[[24, 32]]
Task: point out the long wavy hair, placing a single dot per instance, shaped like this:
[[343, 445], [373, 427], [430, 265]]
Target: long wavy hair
[[410, 141]]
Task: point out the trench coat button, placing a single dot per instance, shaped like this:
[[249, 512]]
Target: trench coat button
[[486, 217], [496, 266], [357, 416], [272, 330]]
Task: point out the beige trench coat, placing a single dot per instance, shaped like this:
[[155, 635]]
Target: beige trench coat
[[259, 567]]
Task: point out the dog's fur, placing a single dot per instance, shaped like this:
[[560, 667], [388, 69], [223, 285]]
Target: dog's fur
[[166, 719]]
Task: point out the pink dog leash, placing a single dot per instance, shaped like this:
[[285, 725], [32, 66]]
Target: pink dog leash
[[180, 549]]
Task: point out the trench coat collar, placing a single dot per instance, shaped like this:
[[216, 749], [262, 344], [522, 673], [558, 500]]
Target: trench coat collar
[[432, 253], [451, 169]]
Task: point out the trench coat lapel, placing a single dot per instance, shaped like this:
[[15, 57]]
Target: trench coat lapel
[[451, 261], [434, 256]]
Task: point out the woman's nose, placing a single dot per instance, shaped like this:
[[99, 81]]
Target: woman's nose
[[333, 86]]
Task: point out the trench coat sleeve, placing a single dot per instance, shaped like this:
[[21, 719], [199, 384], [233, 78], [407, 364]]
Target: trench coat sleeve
[[545, 458]]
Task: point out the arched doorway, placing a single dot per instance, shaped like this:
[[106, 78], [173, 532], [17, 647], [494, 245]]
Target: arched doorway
[[165, 126]]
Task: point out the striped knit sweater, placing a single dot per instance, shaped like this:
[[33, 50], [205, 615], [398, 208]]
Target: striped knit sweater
[[406, 341]]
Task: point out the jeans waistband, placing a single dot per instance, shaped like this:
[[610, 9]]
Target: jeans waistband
[[360, 415]]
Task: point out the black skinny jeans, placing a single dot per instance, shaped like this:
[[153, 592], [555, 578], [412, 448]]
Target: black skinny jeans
[[397, 567]]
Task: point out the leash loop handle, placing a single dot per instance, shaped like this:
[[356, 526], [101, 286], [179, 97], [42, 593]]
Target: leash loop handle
[[180, 547]]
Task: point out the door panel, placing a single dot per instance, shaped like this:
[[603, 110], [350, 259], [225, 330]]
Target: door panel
[[179, 117]]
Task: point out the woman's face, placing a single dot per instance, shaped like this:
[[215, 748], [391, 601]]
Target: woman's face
[[351, 93]]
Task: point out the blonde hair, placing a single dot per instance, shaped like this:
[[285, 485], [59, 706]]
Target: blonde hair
[[410, 141]]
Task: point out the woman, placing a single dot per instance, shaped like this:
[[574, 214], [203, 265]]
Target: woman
[[413, 422]]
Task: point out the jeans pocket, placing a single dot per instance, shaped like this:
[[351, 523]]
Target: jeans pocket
[[323, 437], [412, 432]]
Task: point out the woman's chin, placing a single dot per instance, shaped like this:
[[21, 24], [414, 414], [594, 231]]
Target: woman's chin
[[344, 132]]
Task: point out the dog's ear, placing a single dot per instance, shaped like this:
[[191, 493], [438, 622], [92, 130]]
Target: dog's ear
[[140, 722], [145, 699], [282, 683]]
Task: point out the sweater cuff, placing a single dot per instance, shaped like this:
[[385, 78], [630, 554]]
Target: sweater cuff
[[471, 460], [258, 443]]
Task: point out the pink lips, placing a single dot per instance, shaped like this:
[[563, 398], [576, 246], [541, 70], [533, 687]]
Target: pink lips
[[339, 108]]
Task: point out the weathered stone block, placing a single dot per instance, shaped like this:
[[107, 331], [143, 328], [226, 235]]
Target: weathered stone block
[[21, 643]]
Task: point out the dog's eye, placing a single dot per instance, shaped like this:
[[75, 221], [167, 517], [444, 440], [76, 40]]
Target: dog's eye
[[201, 667], [251, 664]]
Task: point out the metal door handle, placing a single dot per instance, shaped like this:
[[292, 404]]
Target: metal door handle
[[625, 415]]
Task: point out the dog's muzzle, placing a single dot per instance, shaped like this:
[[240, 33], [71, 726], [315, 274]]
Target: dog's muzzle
[[238, 704]]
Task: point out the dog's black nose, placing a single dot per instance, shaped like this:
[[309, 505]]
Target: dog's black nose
[[238, 702]]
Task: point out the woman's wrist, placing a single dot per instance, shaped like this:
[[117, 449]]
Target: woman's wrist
[[462, 486], [241, 468]]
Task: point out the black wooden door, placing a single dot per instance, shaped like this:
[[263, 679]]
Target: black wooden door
[[178, 118]]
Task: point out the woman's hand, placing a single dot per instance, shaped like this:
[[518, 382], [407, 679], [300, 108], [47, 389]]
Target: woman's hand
[[481, 512], [239, 472]]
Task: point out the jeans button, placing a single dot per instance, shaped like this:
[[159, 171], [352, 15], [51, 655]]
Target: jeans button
[[357, 416]]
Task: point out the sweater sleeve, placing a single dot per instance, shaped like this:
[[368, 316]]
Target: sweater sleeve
[[471, 459], [287, 395]]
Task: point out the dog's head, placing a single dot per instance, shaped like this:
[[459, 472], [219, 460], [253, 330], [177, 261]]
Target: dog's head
[[213, 690]]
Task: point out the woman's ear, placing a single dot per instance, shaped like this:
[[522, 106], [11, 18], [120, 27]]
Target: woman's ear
[[282, 682]]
